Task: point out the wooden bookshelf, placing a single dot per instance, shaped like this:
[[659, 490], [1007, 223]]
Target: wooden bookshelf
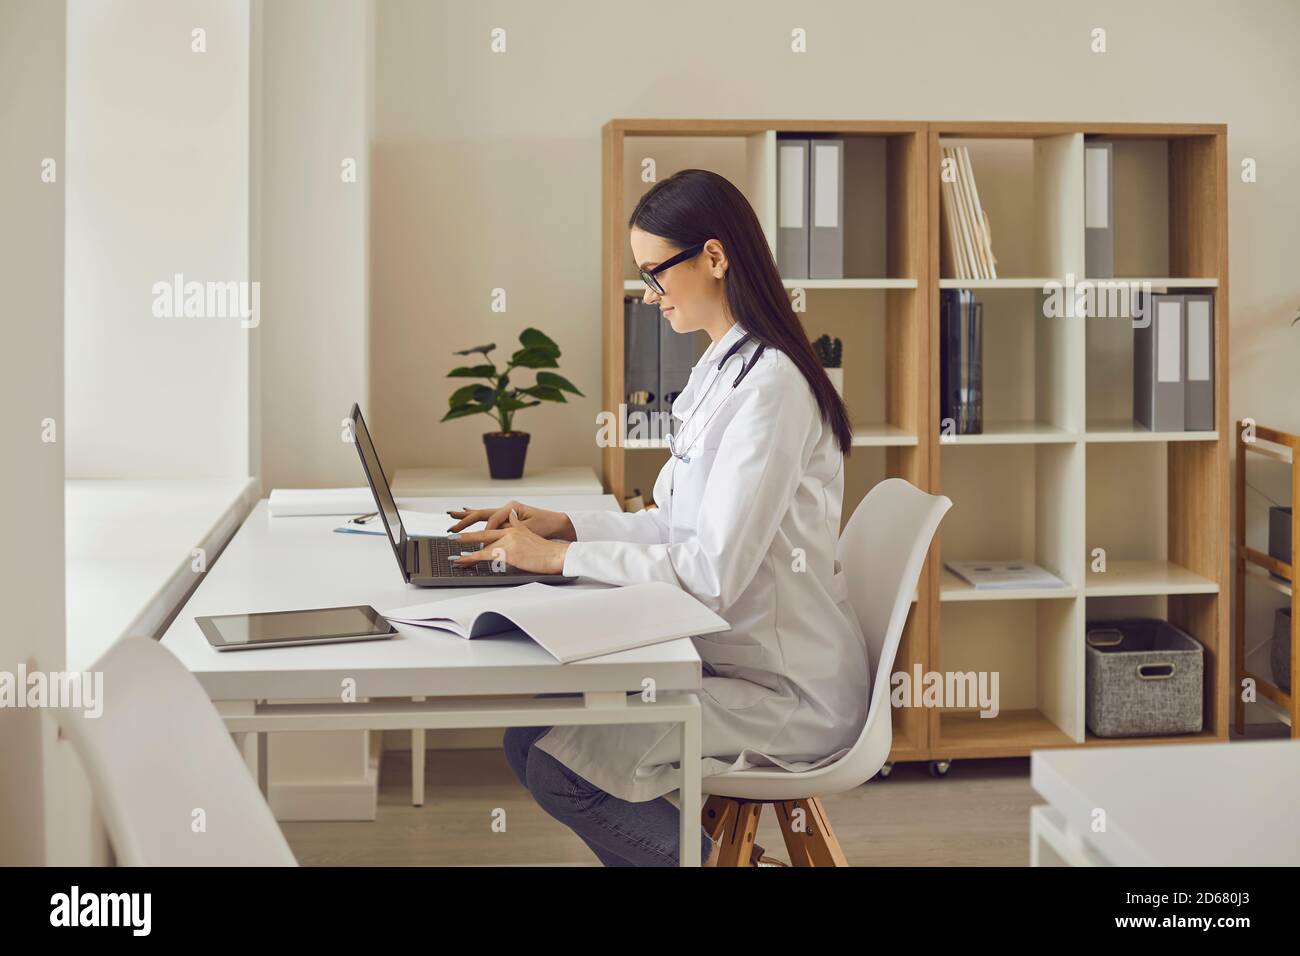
[[1059, 470]]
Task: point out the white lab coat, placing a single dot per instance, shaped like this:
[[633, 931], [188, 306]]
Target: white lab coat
[[754, 519]]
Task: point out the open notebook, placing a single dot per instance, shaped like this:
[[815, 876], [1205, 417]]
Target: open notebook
[[571, 623]]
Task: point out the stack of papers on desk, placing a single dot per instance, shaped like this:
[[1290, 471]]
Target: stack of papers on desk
[[300, 502], [571, 623], [1004, 575]]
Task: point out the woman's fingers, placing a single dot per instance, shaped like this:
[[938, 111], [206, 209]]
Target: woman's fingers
[[478, 537], [469, 516]]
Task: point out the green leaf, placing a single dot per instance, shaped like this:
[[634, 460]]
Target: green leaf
[[480, 394], [473, 371], [514, 404], [485, 349], [547, 393], [532, 338], [557, 381], [534, 358], [462, 410]]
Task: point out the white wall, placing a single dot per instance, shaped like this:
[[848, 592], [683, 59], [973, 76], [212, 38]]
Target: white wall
[[487, 166], [315, 112], [31, 390], [157, 184]]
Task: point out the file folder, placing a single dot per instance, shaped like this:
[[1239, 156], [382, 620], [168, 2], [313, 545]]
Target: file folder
[[1160, 366], [1099, 210], [677, 354], [792, 161], [640, 360], [826, 186], [1198, 412]]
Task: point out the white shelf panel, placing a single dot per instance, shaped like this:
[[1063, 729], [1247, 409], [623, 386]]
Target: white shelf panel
[[636, 285], [1013, 433], [882, 434], [1128, 431], [1143, 578], [1162, 282], [953, 588], [1025, 283]]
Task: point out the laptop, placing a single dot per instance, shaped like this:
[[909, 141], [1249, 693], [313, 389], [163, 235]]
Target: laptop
[[425, 560]]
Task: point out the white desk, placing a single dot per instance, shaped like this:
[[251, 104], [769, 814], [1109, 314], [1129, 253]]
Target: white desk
[[287, 563], [1214, 804], [456, 482]]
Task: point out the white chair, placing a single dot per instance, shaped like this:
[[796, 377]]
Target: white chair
[[168, 779], [881, 550]]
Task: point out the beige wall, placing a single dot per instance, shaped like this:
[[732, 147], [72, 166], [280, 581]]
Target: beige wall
[[312, 100], [487, 166]]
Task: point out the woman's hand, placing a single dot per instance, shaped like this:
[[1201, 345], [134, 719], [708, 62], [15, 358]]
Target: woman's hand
[[516, 544], [547, 524]]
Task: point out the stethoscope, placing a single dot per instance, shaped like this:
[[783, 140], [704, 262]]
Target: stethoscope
[[683, 456]]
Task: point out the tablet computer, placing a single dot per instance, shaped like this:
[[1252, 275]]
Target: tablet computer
[[328, 625]]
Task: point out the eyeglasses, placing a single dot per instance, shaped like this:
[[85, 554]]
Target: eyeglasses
[[648, 276]]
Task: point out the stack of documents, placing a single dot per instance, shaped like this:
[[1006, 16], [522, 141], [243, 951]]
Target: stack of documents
[[1003, 575], [299, 502], [967, 245], [571, 623]]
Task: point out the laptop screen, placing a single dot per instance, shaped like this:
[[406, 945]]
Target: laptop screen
[[378, 483]]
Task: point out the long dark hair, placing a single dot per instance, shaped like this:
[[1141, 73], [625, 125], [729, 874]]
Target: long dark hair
[[693, 206]]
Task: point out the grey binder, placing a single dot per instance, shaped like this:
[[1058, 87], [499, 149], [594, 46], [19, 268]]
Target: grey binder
[[826, 206], [1160, 366], [677, 355], [1099, 210], [640, 360], [792, 160], [1198, 411]]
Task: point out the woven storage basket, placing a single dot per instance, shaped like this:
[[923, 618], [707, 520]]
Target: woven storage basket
[[1144, 678]]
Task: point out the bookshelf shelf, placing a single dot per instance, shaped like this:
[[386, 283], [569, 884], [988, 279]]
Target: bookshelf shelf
[[1013, 433], [882, 435], [1143, 578], [953, 588], [1122, 430], [1060, 468]]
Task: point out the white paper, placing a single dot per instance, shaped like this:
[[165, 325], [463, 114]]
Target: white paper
[[826, 180], [571, 623], [1002, 575], [790, 171]]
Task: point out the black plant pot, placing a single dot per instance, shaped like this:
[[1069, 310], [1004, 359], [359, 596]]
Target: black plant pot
[[506, 452]]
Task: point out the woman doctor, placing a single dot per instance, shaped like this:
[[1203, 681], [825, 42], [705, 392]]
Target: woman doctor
[[747, 521]]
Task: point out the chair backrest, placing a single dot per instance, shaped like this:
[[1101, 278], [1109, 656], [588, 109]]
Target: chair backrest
[[882, 550], [171, 785]]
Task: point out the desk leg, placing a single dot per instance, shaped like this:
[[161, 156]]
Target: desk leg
[[690, 797], [261, 742], [417, 765]]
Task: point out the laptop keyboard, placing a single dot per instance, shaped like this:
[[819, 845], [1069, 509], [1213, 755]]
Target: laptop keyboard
[[434, 560]]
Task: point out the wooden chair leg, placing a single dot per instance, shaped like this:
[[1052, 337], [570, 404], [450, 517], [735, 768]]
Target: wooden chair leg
[[808, 834], [734, 823]]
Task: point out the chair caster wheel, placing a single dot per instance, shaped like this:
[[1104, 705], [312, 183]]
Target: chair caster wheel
[[885, 770], [939, 768]]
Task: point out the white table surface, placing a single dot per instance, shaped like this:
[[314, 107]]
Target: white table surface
[[1212, 804], [276, 564], [439, 482], [125, 542]]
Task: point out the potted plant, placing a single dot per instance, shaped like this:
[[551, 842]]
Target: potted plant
[[507, 448], [831, 352]]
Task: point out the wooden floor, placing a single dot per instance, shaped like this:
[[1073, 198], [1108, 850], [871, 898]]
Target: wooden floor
[[978, 815]]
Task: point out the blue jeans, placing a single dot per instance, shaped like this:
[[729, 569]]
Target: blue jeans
[[619, 833]]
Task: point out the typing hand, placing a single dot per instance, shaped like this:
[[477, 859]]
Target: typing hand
[[548, 524], [515, 544]]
